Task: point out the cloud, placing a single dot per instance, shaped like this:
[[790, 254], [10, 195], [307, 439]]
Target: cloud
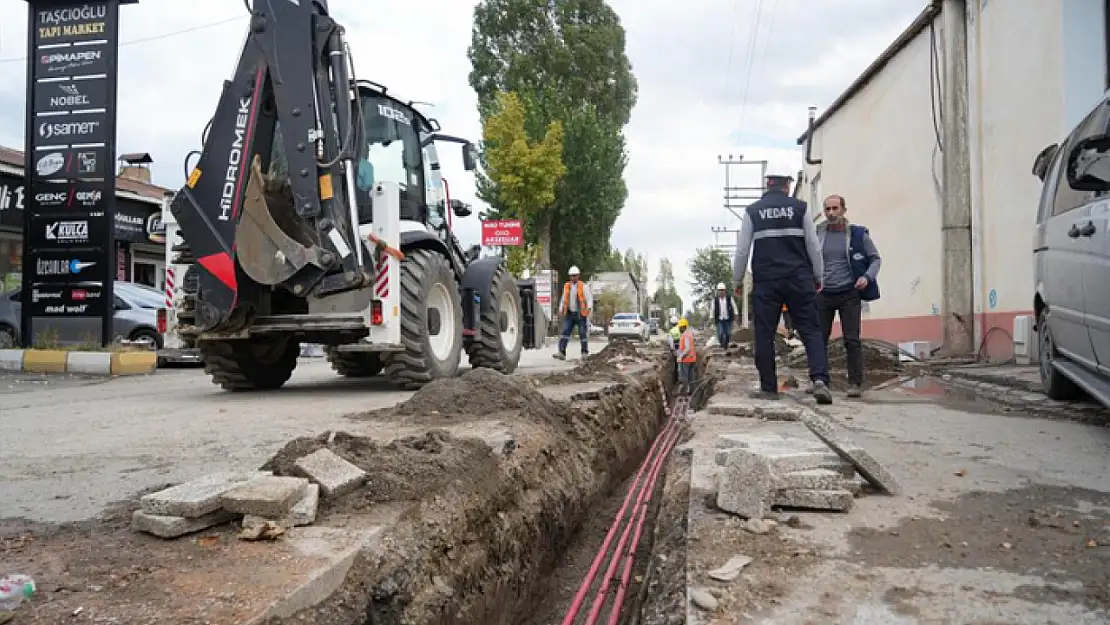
[[691, 61]]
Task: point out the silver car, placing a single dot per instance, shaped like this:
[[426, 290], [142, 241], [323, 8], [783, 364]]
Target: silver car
[[1071, 261], [629, 325], [136, 319]]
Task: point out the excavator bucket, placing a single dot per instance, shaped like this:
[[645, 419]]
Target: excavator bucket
[[264, 250]]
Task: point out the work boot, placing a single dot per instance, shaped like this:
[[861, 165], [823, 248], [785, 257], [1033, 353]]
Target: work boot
[[809, 388], [821, 392], [854, 390], [559, 356], [761, 394]]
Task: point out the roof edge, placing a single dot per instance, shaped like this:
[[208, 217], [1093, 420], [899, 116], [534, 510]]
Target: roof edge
[[926, 17]]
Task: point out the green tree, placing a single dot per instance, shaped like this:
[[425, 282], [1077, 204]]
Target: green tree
[[566, 60], [666, 295], [526, 173], [709, 266], [608, 304]]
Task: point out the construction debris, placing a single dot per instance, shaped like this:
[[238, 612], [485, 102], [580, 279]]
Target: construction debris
[[767, 471], [336, 476], [850, 451], [734, 406]]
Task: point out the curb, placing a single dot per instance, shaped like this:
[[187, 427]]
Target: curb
[[87, 363]]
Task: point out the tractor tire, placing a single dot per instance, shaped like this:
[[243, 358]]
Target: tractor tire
[[431, 322], [500, 336], [354, 364], [250, 365]]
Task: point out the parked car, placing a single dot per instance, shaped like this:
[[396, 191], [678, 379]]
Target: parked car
[[136, 319], [629, 325], [1072, 261]]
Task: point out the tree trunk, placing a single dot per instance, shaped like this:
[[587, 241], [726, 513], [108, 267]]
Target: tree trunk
[[543, 241]]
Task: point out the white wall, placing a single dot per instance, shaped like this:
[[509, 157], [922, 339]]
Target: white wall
[[1015, 68], [877, 152], [1035, 68]]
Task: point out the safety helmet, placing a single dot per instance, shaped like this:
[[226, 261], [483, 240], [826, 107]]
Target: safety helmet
[[573, 271], [682, 323], [720, 285], [674, 320]]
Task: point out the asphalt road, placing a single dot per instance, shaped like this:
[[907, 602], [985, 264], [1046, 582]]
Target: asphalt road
[[69, 446]]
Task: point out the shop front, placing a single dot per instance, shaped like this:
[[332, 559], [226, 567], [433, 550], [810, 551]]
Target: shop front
[[140, 236]]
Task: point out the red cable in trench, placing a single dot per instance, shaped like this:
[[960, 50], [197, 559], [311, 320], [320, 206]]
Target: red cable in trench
[[595, 566], [614, 562], [630, 556]]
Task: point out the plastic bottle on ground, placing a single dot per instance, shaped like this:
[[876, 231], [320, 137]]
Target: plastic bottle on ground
[[14, 590]]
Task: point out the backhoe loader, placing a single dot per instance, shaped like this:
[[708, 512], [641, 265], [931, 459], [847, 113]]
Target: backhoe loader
[[317, 212]]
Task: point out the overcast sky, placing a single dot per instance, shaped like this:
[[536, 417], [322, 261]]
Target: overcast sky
[[691, 60]]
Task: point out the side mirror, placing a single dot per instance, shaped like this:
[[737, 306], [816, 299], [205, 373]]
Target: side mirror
[[469, 157], [460, 209], [1044, 160], [1088, 165]]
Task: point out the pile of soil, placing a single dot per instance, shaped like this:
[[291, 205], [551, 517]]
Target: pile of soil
[[406, 469], [876, 357], [476, 392]]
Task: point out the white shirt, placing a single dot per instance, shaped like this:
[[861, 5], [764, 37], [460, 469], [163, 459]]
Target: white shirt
[[722, 307]]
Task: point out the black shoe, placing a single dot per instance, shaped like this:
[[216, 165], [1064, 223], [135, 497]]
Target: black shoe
[[761, 394], [855, 390], [822, 393]]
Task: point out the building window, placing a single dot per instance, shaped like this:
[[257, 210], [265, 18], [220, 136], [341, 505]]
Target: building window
[[146, 273]]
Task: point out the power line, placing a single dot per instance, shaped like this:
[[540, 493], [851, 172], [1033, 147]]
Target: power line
[[731, 45], [157, 37], [751, 61]]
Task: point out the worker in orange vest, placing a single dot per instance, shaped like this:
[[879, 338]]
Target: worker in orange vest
[[577, 301], [687, 356], [787, 322]]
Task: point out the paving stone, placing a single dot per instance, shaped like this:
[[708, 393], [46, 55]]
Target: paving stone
[[744, 486], [336, 476], [812, 479], [791, 461], [271, 497], [863, 462], [196, 498], [167, 526], [303, 513], [838, 500]]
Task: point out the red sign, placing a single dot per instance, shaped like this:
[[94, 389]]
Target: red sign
[[502, 232]]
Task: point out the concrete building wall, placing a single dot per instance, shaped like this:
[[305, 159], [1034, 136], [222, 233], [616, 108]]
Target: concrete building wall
[[1035, 68], [878, 151]]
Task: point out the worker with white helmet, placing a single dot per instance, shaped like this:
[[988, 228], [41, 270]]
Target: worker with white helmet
[[575, 305], [779, 236], [724, 313]]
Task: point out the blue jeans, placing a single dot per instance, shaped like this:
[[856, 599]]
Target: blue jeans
[[724, 331], [686, 375], [571, 320]]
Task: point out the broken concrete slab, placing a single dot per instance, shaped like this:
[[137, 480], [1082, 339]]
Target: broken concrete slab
[[811, 479], [836, 500], [852, 452], [303, 513], [197, 498], [271, 497], [165, 526], [336, 476], [736, 407], [745, 485]]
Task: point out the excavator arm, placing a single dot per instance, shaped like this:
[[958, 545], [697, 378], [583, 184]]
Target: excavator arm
[[253, 222]]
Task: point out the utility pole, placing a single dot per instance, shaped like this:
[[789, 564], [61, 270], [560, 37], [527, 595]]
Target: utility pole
[[736, 200], [957, 304]]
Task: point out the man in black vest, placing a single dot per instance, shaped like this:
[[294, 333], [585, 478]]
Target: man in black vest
[[787, 268]]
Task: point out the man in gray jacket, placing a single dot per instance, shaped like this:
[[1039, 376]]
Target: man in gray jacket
[[851, 271]]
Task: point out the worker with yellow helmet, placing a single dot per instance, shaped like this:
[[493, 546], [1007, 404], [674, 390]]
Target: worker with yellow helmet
[[687, 356]]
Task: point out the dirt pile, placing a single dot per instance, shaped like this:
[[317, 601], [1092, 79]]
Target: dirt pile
[[876, 356]]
